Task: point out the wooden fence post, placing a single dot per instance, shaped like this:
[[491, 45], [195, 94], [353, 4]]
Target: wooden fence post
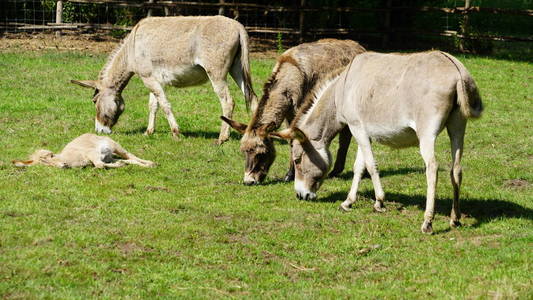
[[221, 8], [150, 10], [464, 29], [386, 25], [59, 15], [302, 20]]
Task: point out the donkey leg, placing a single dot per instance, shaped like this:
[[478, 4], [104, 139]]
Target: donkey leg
[[152, 107], [427, 150], [130, 158], [290, 173], [236, 73], [365, 146], [344, 143], [155, 87], [116, 164], [222, 90], [456, 130], [358, 168]]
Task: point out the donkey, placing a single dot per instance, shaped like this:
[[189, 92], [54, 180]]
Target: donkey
[[177, 51], [295, 73], [393, 99], [87, 149]]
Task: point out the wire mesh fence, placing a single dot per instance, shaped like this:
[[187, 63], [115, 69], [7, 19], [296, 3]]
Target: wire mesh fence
[[378, 24]]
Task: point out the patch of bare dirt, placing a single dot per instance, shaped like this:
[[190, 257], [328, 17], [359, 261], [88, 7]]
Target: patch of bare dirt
[[132, 247], [49, 42], [516, 183], [95, 43], [157, 188]]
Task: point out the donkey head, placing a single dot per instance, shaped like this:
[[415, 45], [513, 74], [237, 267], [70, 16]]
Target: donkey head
[[258, 149], [312, 160], [109, 104]]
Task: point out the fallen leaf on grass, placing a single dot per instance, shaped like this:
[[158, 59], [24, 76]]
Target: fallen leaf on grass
[[42, 241], [158, 188], [368, 249], [301, 268]]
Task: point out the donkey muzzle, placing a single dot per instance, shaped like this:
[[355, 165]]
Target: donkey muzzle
[[101, 128]]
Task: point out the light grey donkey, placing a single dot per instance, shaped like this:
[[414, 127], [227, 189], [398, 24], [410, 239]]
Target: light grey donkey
[[399, 100], [177, 51]]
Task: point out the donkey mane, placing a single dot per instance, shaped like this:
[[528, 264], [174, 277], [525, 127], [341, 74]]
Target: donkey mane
[[268, 86], [315, 93], [111, 59]]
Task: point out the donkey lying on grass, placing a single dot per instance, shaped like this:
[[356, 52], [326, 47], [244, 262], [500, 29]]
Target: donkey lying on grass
[[294, 74], [393, 99], [87, 149], [178, 51]]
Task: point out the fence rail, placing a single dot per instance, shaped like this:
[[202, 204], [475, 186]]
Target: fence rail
[[300, 29]]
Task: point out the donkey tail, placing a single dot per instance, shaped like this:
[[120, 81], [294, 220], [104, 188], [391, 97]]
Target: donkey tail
[[249, 94], [468, 97]]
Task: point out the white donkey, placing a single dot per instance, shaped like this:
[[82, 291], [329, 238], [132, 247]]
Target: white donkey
[[177, 51], [394, 99], [87, 149]]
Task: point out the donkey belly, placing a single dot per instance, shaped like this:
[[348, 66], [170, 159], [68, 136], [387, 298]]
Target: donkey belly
[[182, 76], [395, 138], [106, 151]]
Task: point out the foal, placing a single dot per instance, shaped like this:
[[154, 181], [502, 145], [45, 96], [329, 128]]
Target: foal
[[87, 149]]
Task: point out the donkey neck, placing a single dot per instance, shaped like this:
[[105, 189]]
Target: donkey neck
[[320, 122], [116, 73], [274, 110]]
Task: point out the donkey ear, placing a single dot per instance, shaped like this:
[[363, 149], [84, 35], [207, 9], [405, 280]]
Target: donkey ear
[[22, 163], [266, 129], [299, 135], [289, 134], [240, 127], [85, 83]]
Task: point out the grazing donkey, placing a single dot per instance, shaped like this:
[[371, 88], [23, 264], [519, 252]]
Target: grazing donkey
[[295, 73], [178, 51], [394, 99], [87, 149]]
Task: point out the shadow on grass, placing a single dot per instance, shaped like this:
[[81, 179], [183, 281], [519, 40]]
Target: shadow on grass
[[482, 210], [185, 133], [383, 173]]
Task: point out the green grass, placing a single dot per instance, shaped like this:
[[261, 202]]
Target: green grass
[[189, 228]]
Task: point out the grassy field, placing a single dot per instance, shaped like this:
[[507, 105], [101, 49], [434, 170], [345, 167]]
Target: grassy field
[[190, 228]]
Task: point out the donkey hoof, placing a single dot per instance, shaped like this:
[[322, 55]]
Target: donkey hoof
[[334, 173], [378, 206], [149, 131], [219, 142], [427, 228], [288, 178], [175, 133], [345, 207], [455, 223]]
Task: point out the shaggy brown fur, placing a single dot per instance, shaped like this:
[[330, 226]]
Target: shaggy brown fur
[[296, 72]]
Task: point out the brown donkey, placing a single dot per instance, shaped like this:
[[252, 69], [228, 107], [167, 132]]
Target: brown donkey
[[295, 73], [177, 51]]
